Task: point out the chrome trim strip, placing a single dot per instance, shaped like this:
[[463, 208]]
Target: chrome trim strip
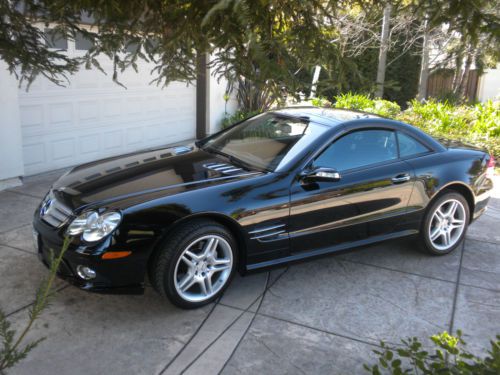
[[231, 170], [266, 229], [267, 235], [211, 166]]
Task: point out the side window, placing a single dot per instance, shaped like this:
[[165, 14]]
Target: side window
[[358, 149], [409, 146]]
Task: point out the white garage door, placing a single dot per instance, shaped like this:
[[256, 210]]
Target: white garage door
[[94, 118]]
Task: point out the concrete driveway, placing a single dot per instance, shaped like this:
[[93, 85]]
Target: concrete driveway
[[322, 316]]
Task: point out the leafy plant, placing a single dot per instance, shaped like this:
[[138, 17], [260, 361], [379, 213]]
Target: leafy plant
[[359, 102], [239, 115], [478, 124], [448, 357], [13, 349], [321, 102]]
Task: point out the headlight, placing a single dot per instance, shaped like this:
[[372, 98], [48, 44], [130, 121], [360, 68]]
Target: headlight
[[93, 225]]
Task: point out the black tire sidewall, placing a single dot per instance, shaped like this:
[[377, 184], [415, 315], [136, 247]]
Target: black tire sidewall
[[428, 246]]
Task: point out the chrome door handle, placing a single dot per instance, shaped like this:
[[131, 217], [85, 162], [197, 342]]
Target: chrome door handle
[[403, 177]]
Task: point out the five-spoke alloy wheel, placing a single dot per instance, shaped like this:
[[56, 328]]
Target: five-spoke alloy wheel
[[203, 268], [445, 224], [195, 263]]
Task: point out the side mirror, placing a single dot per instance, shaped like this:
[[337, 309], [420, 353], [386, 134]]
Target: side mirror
[[320, 174]]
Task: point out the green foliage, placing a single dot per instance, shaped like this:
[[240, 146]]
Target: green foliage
[[402, 73], [478, 124], [12, 349], [23, 47], [449, 97], [238, 116], [386, 108], [264, 41], [448, 357], [360, 102], [321, 102]]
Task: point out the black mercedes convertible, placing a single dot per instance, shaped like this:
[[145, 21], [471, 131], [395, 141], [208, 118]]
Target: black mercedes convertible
[[279, 187]]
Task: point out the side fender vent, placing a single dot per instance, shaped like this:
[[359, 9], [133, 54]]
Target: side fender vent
[[223, 168], [267, 233]]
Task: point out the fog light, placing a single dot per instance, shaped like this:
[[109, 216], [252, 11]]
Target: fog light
[[85, 272]]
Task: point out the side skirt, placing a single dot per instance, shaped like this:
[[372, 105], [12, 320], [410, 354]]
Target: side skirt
[[329, 250]]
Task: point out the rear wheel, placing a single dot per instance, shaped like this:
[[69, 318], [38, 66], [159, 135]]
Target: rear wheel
[[195, 264], [445, 223]]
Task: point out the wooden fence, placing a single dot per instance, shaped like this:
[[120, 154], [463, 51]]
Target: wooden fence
[[440, 83]]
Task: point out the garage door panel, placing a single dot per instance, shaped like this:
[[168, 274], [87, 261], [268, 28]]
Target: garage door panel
[[112, 141], [34, 155], [32, 119], [90, 144], [93, 118], [63, 149], [88, 111], [60, 114]]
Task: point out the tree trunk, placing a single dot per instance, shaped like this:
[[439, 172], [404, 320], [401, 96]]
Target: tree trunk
[[456, 76], [314, 85], [462, 87], [424, 66], [384, 47]]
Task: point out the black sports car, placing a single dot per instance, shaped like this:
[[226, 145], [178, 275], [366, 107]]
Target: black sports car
[[282, 186]]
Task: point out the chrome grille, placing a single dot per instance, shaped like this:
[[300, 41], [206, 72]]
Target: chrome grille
[[53, 211]]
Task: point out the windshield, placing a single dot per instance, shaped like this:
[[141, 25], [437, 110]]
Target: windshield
[[267, 141]]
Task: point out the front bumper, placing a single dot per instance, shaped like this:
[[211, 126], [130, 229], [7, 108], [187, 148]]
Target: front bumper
[[113, 276]]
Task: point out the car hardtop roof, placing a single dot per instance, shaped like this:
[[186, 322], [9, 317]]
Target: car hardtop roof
[[327, 116]]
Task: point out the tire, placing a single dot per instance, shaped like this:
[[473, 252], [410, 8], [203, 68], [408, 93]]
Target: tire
[[444, 227], [195, 264]]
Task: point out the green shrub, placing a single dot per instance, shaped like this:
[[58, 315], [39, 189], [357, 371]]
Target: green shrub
[[358, 102], [321, 102], [478, 124], [450, 97], [236, 117], [448, 357], [385, 108]]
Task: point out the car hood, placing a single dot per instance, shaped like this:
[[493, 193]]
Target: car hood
[[161, 172]]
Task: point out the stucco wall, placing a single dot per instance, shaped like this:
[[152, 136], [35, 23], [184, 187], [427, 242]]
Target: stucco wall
[[218, 106], [11, 157], [489, 85]]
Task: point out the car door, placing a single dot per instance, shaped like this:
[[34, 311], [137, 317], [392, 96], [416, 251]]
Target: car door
[[369, 199]]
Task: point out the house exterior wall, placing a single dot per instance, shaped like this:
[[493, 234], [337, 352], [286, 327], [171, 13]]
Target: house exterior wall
[[20, 133], [489, 85], [11, 157], [218, 107]]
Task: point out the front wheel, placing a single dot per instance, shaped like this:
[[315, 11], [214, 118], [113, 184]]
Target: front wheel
[[195, 264], [445, 224]]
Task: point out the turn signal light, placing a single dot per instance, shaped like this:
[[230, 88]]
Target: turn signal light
[[116, 254]]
